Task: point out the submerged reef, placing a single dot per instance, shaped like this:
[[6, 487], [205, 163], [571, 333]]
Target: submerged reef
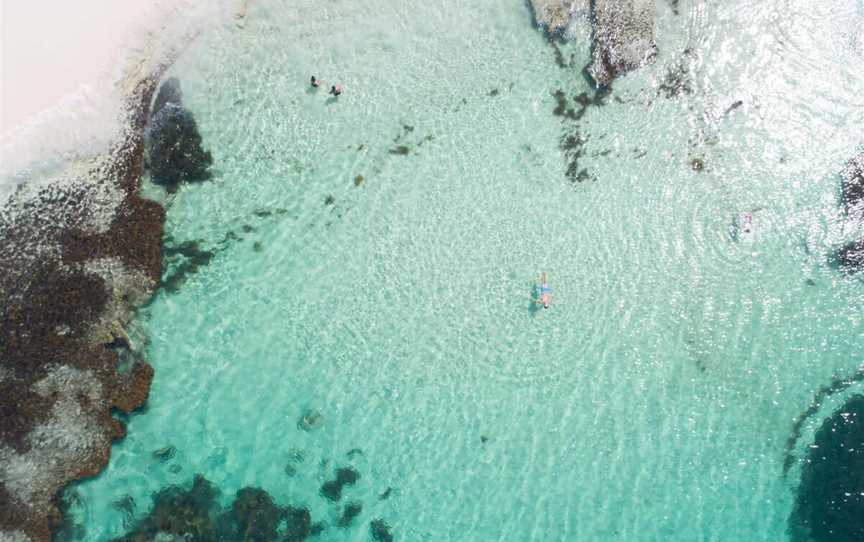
[[332, 489], [829, 505], [853, 186], [77, 254], [173, 142], [193, 513], [851, 257]]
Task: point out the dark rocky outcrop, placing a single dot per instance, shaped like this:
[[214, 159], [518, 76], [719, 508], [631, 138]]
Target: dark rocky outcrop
[[194, 514], [852, 185], [188, 513], [332, 489], [380, 531], [623, 37], [173, 142], [850, 258], [829, 505]]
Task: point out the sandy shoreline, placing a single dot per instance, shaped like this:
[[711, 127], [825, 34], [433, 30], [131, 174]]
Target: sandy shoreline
[[78, 47]]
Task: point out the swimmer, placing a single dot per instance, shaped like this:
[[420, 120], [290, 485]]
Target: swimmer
[[545, 292], [747, 222], [315, 83], [336, 90]]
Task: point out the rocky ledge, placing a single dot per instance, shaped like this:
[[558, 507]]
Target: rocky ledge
[[623, 31], [77, 254], [623, 37]]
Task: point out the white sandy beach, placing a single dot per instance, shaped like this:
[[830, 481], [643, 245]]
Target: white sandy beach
[[51, 49]]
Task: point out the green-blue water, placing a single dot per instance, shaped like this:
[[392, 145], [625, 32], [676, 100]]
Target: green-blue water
[[653, 401]]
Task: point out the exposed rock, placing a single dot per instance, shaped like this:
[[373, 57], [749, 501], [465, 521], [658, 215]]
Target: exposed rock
[[851, 257], [76, 253], [853, 186], [829, 505], [173, 141], [623, 37], [555, 15]]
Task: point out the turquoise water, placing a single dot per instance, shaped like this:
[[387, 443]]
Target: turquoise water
[[652, 402]]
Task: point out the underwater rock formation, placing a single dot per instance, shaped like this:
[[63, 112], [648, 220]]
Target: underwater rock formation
[[195, 515], [853, 186], [623, 37], [345, 476], [829, 505], [380, 531], [76, 256], [188, 513], [173, 141], [851, 257], [555, 15]]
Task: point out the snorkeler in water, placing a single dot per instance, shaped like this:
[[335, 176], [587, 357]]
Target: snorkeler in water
[[335, 90], [545, 292], [315, 82]]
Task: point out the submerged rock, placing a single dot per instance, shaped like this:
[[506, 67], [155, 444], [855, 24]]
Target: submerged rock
[[623, 37], [173, 141], [380, 531], [299, 524], [310, 420], [188, 513], [194, 514], [332, 489], [829, 505], [351, 511], [851, 257], [853, 186], [256, 515], [77, 254]]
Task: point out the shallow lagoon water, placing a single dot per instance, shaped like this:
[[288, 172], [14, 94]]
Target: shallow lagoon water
[[652, 402]]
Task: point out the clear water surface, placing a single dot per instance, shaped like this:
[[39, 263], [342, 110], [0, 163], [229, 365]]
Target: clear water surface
[[652, 402]]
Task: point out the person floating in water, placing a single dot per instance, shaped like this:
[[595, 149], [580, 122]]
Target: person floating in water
[[315, 83], [747, 222], [545, 292], [336, 90]]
